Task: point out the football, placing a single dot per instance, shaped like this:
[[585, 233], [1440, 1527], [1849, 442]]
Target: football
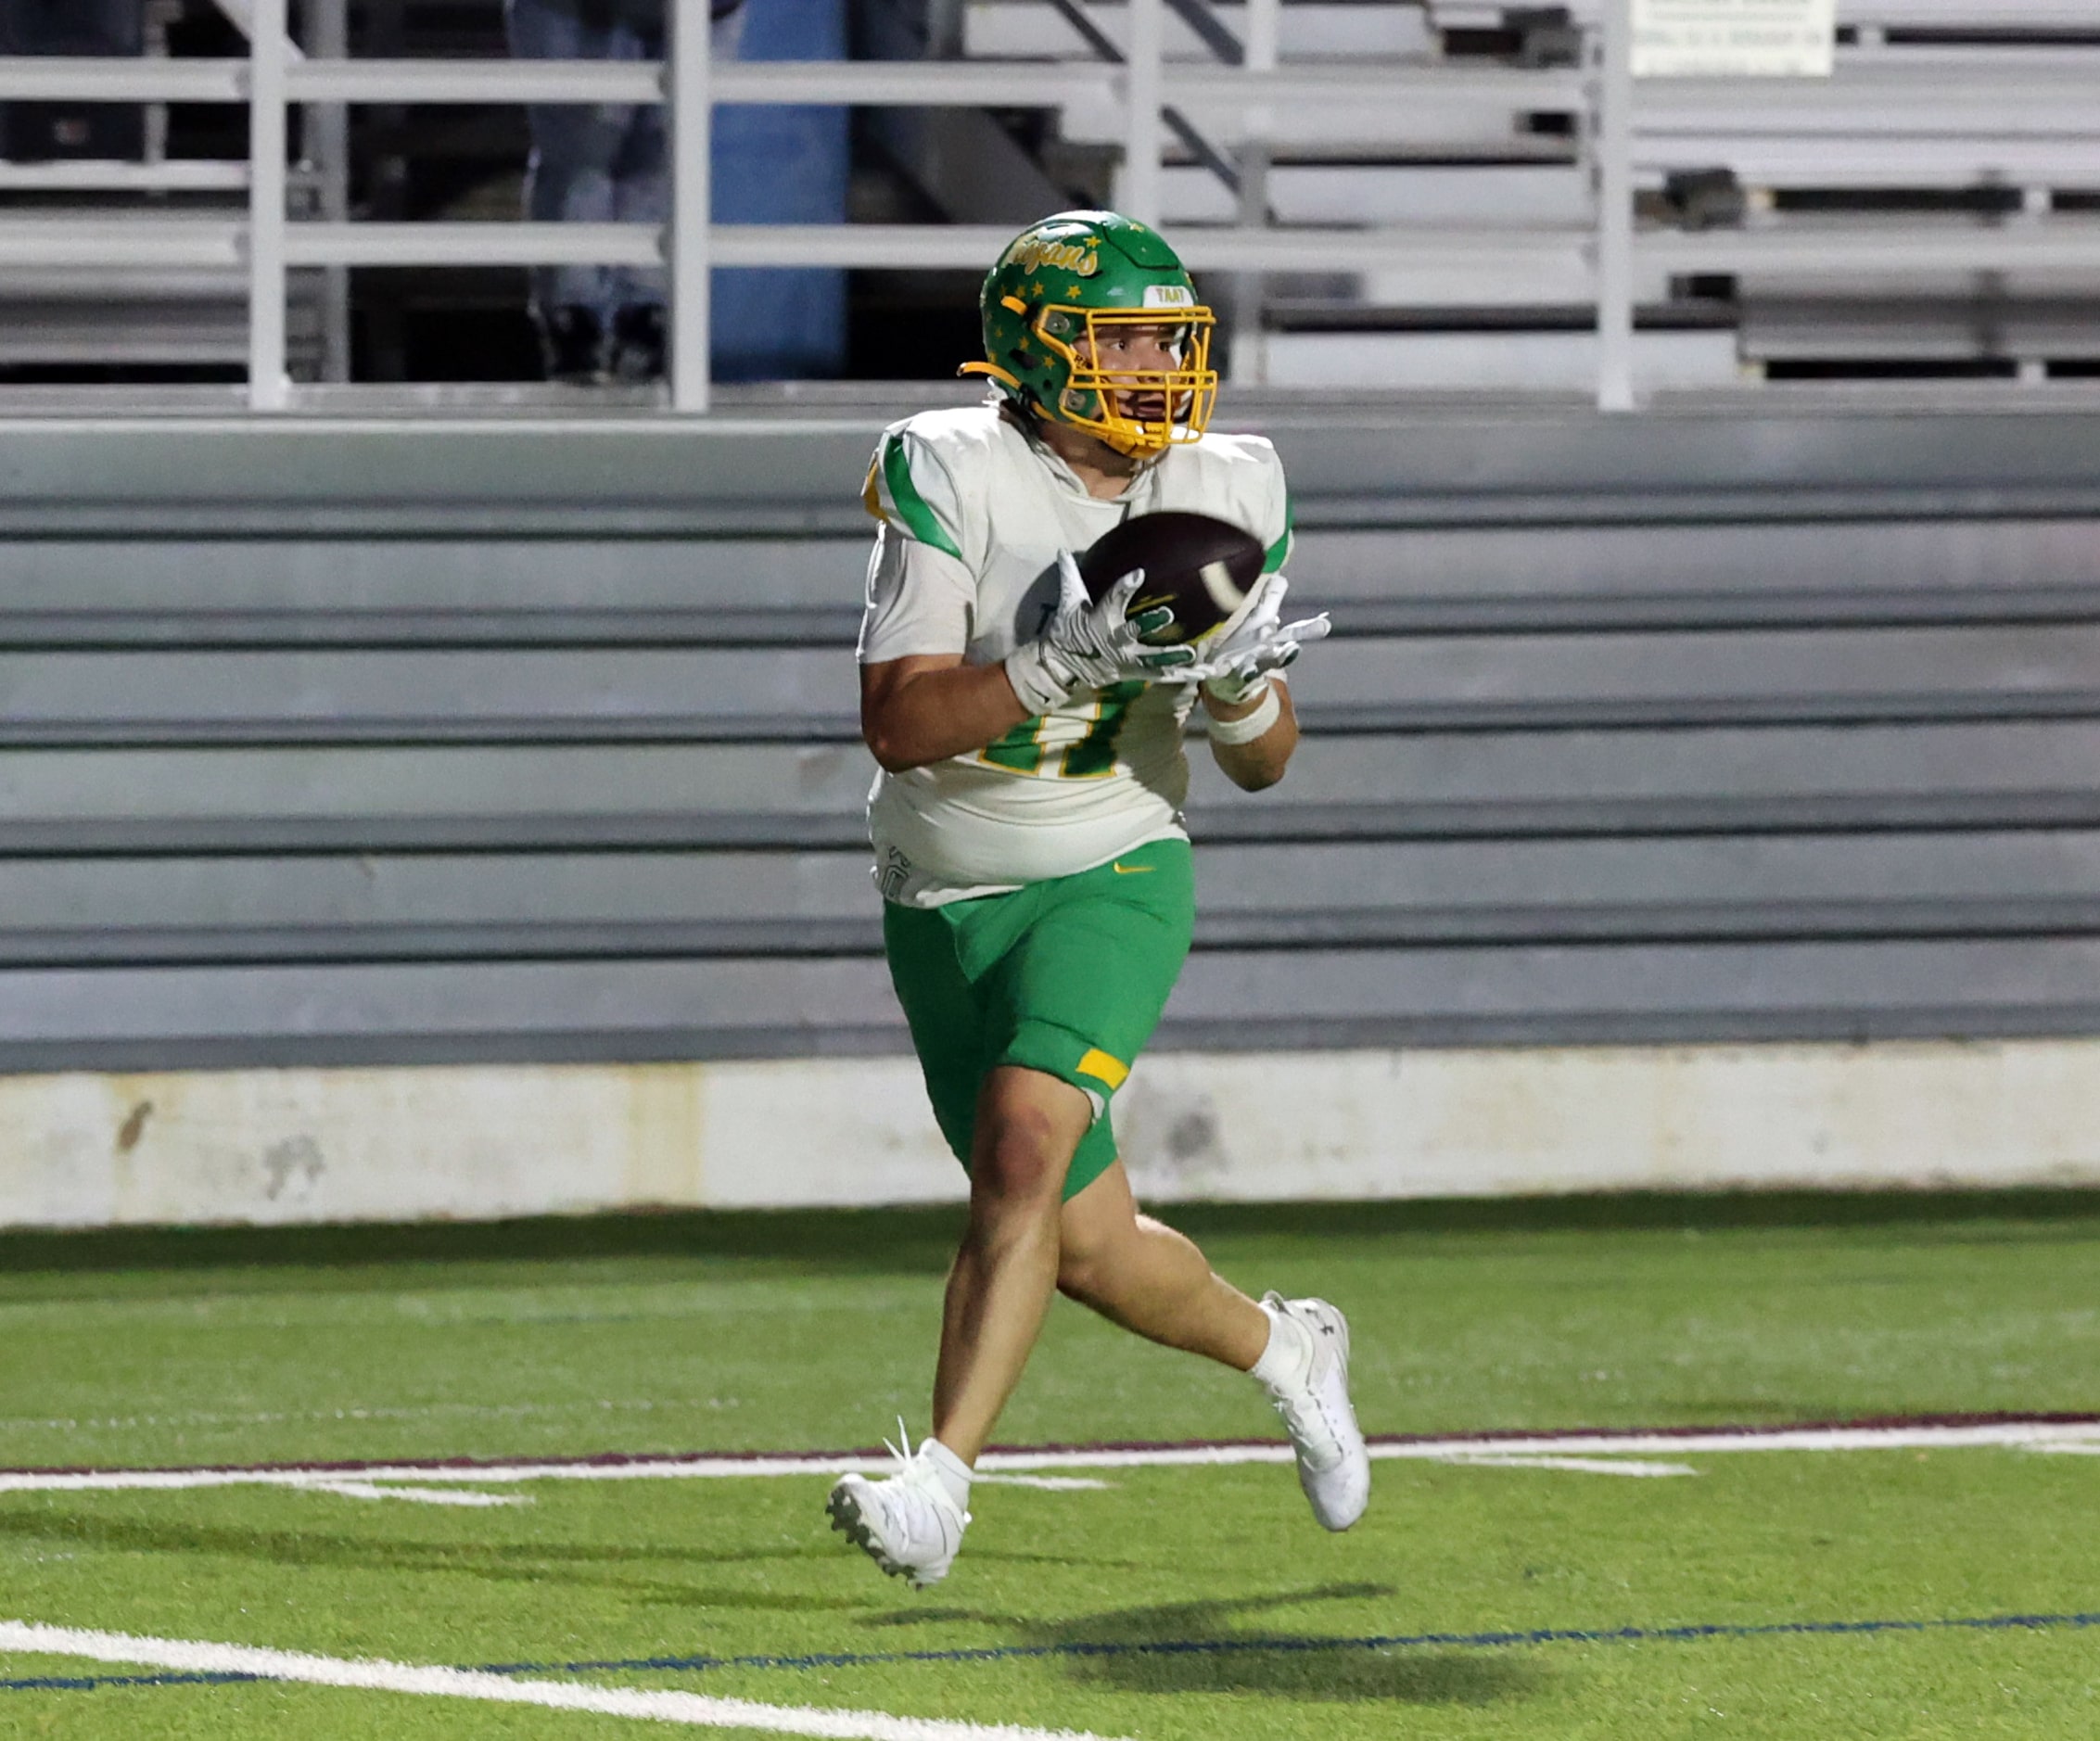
[[1202, 568]]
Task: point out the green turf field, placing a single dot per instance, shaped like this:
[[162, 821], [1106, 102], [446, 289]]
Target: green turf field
[[1771, 1594]]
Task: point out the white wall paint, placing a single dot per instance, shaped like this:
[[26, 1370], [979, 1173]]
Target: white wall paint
[[402, 1144]]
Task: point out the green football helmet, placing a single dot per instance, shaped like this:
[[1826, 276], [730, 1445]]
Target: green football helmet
[[1058, 313]]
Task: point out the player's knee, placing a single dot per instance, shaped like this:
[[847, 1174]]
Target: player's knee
[[1020, 1156]]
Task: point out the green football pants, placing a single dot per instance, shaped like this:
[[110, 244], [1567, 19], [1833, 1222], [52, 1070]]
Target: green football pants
[[1067, 976]]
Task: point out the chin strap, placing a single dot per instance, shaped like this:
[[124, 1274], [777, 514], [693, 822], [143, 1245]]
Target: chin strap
[[1023, 404], [997, 373]]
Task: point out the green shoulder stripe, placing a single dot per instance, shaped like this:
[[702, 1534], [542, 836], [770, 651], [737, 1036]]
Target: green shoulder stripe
[[911, 506], [1277, 554]]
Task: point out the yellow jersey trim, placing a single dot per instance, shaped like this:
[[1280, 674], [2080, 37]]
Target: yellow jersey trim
[[1102, 1068]]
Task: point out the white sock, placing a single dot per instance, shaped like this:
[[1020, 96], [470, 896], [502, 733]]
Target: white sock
[[1287, 1361], [953, 1471]]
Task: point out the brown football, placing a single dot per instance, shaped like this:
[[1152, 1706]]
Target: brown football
[[1200, 568]]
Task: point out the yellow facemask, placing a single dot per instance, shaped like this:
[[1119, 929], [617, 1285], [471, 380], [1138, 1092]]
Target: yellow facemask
[[1095, 396]]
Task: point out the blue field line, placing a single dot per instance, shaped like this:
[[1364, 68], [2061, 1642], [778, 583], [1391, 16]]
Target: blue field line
[[1272, 1645], [1096, 1648], [91, 1683]]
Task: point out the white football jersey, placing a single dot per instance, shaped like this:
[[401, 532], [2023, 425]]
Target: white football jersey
[[971, 512]]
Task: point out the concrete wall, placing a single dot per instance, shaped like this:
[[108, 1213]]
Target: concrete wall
[[404, 1144]]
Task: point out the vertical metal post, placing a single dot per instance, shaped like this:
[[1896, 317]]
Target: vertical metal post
[[1250, 353], [1613, 134], [267, 387], [328, 39], [1140, 121], [687, 87], [154, 47], [944, 30]]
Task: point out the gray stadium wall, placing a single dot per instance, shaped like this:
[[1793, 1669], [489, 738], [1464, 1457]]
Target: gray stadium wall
[[406, 818]]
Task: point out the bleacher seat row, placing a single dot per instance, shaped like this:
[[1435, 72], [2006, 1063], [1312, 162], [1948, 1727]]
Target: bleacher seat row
[[354, 743], [1946, 120], [1967, 126]]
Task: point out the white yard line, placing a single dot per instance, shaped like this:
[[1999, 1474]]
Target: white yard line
[[1634, 1467], [420, 1495], [2024, 1435], [379, 1676], [2036, 1435], [412, 1411], [1049, 1483]]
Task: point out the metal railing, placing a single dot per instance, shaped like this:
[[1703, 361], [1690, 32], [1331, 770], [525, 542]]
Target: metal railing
[[274, 74]]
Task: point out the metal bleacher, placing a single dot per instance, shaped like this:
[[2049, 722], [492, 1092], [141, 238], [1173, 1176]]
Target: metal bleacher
[[341, 742], [1945, 118], [132, 312], [1407, 193]]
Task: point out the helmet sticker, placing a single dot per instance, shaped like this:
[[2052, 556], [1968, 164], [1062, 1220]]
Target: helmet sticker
[[1169, 296], [1034, 252]]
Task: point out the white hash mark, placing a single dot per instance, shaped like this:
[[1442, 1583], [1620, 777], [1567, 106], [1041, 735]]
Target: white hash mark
[[378, 1675]]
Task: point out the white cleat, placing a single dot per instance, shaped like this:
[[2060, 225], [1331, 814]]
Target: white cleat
[[1333, 1467], [905, 1522]]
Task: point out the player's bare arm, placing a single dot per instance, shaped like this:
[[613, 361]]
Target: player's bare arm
[[924, 709], [1260, 761], [1254, 726]]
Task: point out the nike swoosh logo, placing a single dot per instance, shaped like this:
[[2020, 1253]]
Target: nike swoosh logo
[[1135, 869]]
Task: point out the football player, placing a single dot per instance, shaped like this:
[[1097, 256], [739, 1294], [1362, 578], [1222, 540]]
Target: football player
[[1030, 852]]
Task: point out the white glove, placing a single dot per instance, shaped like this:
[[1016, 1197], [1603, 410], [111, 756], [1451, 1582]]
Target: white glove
[[1089, 646], [1236, 669]]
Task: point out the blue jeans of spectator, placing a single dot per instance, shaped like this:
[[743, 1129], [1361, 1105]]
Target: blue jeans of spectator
[[79, 27], [598, 162]]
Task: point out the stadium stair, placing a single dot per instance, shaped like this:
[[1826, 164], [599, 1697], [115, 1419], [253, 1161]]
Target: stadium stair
[[1945, 118], [135, 314]]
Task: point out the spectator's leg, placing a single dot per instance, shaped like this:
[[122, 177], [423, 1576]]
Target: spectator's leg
[[641, 193], [727, 42], [569, 179]]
